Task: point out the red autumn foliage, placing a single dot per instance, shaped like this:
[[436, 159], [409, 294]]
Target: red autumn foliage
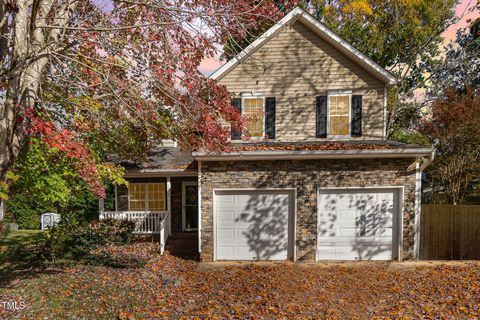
[[127, 71], [454, 121], [455, 131], [69, 143]]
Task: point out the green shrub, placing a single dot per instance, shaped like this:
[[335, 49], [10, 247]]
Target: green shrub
[[73, 239], [25, 211], [45, 182]]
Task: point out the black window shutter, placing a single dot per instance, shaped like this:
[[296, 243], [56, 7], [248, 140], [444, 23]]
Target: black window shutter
[[237, 104], [270, 117], [356, 125], [321, 116]]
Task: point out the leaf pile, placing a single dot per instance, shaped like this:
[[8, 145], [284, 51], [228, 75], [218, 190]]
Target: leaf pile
[[125, 256], [170, 287]]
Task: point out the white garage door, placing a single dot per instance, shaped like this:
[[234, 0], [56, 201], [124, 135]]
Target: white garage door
[[252, 225], [356, 224]]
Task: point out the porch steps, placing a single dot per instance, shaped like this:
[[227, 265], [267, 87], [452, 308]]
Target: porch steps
[[183, 245]]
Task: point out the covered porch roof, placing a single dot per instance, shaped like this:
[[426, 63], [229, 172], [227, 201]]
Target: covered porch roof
[[162, 161]]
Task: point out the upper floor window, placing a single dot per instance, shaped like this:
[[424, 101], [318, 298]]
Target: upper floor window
[[253, 115], [146, 196], [339, 114]]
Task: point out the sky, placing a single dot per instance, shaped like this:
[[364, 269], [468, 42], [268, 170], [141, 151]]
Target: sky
[[210, 65], [461, 11]]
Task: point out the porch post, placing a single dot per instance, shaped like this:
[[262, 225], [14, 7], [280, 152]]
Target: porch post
[[116, 198], [101, 208], [2, 213], [169, 200]]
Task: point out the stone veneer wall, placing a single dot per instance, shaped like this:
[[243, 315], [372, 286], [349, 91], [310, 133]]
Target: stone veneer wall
[[307, 176]]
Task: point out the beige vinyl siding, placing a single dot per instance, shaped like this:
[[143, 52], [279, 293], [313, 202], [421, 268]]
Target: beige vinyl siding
[[295, 66]]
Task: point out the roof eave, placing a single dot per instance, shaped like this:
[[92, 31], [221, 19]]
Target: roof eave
[[305, 155], [159, 173]]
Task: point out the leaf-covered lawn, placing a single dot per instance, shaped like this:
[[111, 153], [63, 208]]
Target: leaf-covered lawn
[[15, 250], [171, 287]]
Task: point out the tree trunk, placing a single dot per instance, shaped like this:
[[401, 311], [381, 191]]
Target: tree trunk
[[29, 42]]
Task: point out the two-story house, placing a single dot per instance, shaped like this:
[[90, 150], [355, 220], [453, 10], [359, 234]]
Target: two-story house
[[316, 178]]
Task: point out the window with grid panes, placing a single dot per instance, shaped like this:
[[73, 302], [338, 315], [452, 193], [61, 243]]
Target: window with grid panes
[[253, 116], [147, 196], [339, 115]]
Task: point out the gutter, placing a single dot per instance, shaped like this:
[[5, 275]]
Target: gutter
[[315, 154], [144, 173], [427, 161]]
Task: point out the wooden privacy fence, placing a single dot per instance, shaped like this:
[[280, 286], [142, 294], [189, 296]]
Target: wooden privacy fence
[[449, 232]]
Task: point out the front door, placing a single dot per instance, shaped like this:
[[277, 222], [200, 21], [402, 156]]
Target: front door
[[190, 205]]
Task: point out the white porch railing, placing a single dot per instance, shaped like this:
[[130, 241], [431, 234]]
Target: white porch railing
[[146, 222]]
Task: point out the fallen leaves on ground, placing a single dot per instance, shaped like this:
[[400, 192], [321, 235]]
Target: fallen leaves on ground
[[170, 287], [129, 256]]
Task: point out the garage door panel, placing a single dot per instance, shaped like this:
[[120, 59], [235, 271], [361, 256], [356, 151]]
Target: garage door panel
[[226, 215], [374, 241], [225, 251], [226, 233], [244, 253], [347, 215], [226, 199], [362, 253], [260, 224], [347, 232], [243, 234], [360, 232], [355, 224], [333, 253]]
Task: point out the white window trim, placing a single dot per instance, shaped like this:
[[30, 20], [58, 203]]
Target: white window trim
[[250, 96], [146, 195], [341, 93]]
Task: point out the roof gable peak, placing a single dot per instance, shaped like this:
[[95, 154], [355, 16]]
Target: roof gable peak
[[298, 14]]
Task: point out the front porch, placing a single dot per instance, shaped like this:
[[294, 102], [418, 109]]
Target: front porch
[[164, 208]]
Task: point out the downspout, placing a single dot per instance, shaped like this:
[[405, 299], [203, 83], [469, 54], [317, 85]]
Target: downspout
[[199, 207], [418, 198], [418, 208], [385, 97]]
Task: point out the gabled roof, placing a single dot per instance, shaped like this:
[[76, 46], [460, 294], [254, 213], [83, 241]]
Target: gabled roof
[[298, 14]]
